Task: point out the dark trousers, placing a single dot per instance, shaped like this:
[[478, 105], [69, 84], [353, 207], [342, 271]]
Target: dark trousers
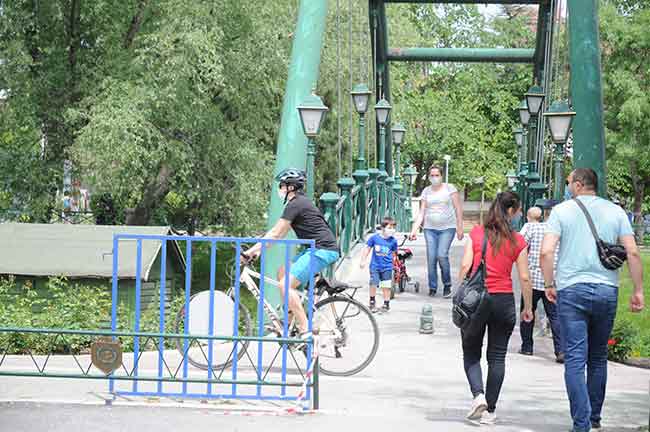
[[526, 328], [499, 321]]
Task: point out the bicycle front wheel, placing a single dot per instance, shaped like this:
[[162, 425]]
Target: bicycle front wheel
[[198, 351], [347, 336]]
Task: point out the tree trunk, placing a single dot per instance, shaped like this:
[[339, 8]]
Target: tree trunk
[[153, 194], [136, 22], [74, 37]]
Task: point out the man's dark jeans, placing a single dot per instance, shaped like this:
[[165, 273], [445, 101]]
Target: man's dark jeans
[[526, 328], [587, 313], [500, 321]]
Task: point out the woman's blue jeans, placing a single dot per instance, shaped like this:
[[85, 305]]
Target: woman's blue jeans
[[438, 244], [587, 313]]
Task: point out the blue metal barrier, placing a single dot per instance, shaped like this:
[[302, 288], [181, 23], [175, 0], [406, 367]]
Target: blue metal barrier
[[248, 379], [257, 375]]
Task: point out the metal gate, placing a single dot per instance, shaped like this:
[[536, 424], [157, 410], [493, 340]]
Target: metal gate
[[221, 349]]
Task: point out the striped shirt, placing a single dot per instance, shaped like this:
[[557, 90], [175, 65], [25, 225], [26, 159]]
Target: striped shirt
[[534, 234]]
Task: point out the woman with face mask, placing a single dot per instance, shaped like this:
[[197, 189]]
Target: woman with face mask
[[441, 214]]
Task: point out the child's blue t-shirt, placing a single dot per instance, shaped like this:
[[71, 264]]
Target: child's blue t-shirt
[[382, 252]]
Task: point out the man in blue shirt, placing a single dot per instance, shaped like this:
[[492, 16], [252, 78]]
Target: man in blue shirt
[[586, 292], [383, 246]]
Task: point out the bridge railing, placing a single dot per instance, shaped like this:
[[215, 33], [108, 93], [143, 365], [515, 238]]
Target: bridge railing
[[360, 205]]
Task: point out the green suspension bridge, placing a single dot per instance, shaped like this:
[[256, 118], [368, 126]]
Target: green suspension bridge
[[373, 191]]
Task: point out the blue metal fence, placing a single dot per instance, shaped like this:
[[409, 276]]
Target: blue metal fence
[[208, 357], [247, 379]]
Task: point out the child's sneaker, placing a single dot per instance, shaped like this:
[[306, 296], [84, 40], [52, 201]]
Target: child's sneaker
[[385, 308], [373, 307], [479, 405], [488, 418]]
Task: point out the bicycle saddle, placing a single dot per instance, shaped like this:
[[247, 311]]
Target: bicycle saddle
[[332, 286]]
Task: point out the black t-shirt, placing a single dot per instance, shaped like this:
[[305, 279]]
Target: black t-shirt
[[308, 222]]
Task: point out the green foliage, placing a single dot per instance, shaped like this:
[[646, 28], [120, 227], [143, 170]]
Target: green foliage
[[464, 110], [23, 306], [626, 45], [621, 341], [637, 340]]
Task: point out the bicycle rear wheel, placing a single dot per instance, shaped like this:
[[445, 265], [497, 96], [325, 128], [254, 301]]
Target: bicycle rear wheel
[[347, 336], [223, 352]]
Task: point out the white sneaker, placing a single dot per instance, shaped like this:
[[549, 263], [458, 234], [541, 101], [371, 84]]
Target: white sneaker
[[479, 405], [488, 418]]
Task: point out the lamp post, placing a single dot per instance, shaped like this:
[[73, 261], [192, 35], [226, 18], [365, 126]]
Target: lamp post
[[534, 99], [559, 117], [410, 173], [398, 138], [382, 110], [519, 140], [398, 133], [524, 118], [511, 176], [360, 97], [447, 158], [312, 113]]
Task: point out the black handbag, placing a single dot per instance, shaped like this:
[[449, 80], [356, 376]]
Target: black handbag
[[612, 256], [471, 296]]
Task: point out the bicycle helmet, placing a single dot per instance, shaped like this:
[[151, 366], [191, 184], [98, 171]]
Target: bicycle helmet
[[292, 177]]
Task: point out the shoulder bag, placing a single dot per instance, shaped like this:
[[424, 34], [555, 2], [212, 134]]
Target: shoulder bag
[[612, 256], [471, 296]]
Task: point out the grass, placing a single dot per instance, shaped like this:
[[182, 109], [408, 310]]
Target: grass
[[641, 321]]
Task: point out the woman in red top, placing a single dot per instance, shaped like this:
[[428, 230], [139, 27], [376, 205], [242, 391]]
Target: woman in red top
[[505, 247]]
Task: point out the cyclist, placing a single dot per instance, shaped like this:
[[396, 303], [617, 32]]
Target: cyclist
[[307, 221]]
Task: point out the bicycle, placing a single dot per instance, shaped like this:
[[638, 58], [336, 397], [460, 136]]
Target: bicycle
[[333, 321], [400, 276]]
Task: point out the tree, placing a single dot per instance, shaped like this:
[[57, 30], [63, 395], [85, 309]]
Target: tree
[[626, 48]]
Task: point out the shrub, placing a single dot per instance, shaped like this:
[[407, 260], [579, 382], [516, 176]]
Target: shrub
[[622, 340]]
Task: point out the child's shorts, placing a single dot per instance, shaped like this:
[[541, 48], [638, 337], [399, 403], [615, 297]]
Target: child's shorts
[[379, 276]]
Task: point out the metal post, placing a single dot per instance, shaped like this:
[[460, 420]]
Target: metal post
[[390, 198], [586, 89], [446, 170], [311, 170], [303, 73], [373, 173], [559, 181], [382, 148], [532, 147], [361, 162], [346, 184]]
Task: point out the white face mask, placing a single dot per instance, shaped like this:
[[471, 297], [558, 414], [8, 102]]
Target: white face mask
[[435, 181], [388, 232], [282, 193]]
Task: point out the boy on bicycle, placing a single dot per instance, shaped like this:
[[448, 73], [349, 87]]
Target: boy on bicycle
[[307, 221], [384, 247]]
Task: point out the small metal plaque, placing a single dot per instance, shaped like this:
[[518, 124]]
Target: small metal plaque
[[106, 354]]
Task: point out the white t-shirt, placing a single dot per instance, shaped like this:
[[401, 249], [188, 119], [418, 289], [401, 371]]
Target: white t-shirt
[[439, 210]]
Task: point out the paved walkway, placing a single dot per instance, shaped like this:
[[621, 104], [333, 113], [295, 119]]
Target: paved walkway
[[415, 383]]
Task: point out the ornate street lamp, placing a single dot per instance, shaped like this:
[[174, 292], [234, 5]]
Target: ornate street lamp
[[534, 99], [398, 137], [312, 113], [559, 117], [518, 133], [524, 114], [360, 97], [382, 110]]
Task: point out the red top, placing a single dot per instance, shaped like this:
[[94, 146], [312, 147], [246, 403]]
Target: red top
[[499, 267]]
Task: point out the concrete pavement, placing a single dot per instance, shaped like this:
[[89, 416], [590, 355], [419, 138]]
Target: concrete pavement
[[415, 383]]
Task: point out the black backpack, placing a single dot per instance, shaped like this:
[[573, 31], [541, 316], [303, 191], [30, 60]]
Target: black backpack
[[471, 296]]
